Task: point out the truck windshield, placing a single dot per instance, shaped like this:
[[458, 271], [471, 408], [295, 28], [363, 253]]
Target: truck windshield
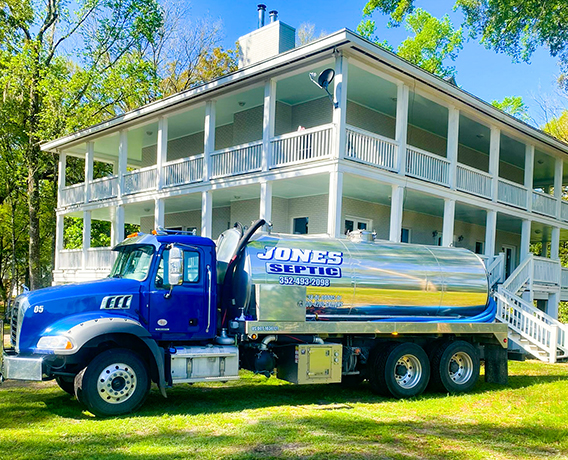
[[133, 262]]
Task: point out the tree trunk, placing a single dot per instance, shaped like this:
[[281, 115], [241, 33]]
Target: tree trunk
[[33, 207]]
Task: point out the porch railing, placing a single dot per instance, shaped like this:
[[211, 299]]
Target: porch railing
[[546, 270], [140, 180], [564, 278], [473, 181], [236, 160], [427, 166], [72, 194], [564, 210], [104, 188], [301, 146], [543, 203], [495, 269], [512, 193], [70, 258], [100, 258], [372, 149], [183, 171]]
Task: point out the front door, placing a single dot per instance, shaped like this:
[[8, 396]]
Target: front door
[[510, 257], [180, 312]]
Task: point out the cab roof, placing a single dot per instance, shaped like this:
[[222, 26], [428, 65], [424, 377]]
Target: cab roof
[[158, 240]]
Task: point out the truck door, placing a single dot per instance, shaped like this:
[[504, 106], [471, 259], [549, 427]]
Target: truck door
[[181, 312]]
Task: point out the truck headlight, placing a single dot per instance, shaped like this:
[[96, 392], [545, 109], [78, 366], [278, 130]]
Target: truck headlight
[[56, 342]]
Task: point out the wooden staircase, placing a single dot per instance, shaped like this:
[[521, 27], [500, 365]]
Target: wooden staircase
[[532, 330]]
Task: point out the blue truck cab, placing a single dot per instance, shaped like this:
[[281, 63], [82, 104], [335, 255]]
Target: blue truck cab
[[135, 315]]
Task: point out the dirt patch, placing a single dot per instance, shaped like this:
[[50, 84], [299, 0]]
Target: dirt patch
[[8, 384]]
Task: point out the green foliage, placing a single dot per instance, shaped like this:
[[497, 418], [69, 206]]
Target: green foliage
[[514, 27], [558, 127], [431, 43], [514, 106]]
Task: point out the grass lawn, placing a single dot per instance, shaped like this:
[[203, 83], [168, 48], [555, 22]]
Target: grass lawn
[[258, 418]]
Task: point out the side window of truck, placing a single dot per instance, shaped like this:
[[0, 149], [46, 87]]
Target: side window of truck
[[190, 264]]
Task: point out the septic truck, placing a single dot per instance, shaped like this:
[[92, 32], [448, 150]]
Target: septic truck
[[178, 308]]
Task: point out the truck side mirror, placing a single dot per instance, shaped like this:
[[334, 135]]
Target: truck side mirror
[[175, 266]]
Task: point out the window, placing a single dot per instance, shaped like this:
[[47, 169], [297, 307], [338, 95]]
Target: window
[[190, 267], [405, 235], [356, 223], [300, 226], [479, 247], [133, 262]]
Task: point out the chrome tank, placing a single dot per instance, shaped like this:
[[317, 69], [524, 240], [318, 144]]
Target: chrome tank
[[286, 277]]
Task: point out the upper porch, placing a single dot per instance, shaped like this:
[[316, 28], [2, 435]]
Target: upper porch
[[286, 123]]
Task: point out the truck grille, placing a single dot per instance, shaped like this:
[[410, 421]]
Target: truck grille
[[14, 322]]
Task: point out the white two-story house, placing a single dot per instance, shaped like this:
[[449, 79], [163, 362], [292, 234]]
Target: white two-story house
[[398, 151]]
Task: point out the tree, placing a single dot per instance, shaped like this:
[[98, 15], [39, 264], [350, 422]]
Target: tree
[[514, 106], [558, 127], [44, 90], [514, 27], [306, 33], [432, 42]]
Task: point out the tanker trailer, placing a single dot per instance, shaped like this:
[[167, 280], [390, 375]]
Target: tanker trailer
[[392, 313]]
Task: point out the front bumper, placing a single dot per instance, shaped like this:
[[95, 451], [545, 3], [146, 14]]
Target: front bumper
[[15, 367]]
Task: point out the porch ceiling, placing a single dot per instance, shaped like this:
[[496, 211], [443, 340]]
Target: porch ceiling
[[363, 189], [301, 186]]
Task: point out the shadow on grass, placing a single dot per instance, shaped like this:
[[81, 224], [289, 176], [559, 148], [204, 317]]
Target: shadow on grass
[[35, 402], [344, 435]]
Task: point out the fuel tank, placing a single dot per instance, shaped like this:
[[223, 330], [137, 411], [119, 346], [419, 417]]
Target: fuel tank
[[294, 278]]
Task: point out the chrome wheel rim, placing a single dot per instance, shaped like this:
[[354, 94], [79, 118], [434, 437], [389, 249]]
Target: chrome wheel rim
[[460, 368], [408, 371], [116, 383]]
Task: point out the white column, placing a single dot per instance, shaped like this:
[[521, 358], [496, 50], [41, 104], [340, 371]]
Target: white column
[[268, 122], [401, 127], [340, 96], [529, 171], [397, 201], [490, 233], [207, 214], [162, 150], [122, 161], [59, 228], [525, 239], [159, 213], [558, 172], [61, 176], [209, 138], [453, 143], [494, 146], [86, 237], [89, 170], [266, 201], [448, 227], [117, 225], [334, 204], [555, 243], [552, 305]]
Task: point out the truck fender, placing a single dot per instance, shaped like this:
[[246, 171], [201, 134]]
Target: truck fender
[[88, 329]]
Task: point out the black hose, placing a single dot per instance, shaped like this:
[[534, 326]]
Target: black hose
[[227, 291]]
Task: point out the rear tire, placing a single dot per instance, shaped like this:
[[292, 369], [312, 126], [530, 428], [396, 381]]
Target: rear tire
[[455, 367], [401, 370], [116, 382]]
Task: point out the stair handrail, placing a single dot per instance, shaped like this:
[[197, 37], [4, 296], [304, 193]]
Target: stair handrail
[[496, 269], [520, 276], [529, 322]]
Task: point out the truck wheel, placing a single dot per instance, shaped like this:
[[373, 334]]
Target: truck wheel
[[455, 367], [400, 369], [66, 384], [116, 382]]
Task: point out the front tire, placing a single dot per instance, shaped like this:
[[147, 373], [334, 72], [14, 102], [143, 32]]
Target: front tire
[[400, 369], [455, 367], [116, 382]]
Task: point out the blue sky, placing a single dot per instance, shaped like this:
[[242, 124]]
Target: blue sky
[[482, 72]]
